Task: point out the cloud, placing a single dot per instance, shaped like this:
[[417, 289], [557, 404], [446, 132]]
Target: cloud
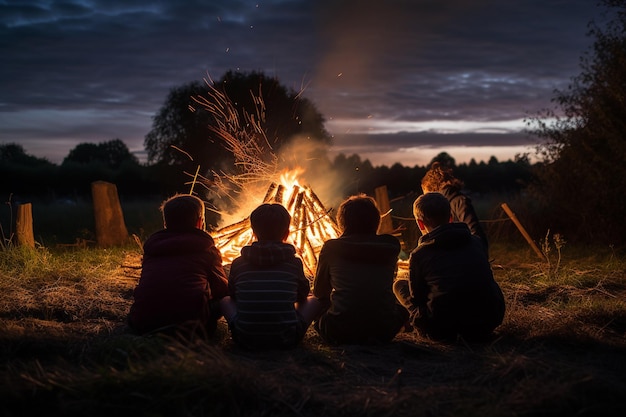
[[398, 60]]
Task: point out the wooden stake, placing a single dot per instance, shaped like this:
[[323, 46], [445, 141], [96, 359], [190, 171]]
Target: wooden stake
[[522, 230], [110, 227], [24, 225], [382, 199]]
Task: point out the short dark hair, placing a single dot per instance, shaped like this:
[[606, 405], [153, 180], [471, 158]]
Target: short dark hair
[[432, 208], [358, 214], [270, 221], [182, 211]]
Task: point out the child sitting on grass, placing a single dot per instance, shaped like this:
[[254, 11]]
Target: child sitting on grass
[[182, 278], [354, 279], [451, 290], [269, 304]]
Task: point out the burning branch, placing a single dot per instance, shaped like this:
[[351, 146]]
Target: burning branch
[[311, 225]]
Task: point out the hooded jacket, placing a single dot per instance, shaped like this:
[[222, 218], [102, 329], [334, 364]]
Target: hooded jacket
[[452, 283], [265, 282], [181, 272], [354, 277]]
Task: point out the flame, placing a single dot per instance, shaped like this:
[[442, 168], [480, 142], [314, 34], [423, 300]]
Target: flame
[[289, 177], [311, 224]]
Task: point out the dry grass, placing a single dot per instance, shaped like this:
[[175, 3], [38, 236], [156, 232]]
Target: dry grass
[[65, 351]]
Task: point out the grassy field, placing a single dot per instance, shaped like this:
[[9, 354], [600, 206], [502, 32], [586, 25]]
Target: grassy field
[[65, 350]]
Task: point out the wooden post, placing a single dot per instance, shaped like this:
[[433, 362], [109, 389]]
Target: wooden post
[[382, 199], [110, 227], [24, 225], [522, 230]]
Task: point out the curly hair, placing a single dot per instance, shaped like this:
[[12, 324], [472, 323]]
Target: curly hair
[[439, 177]]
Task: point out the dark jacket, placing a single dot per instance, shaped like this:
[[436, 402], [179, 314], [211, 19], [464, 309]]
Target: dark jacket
[[463, 211], [181, 272], [452, 284], [354, 279], [265, 282]]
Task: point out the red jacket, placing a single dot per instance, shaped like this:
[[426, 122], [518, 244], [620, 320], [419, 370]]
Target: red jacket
[[181, 272]]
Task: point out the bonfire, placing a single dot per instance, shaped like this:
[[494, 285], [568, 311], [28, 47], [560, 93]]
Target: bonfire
[[258, 167], [311, 224]]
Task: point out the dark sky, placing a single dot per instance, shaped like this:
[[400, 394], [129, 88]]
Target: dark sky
[[92, 71]]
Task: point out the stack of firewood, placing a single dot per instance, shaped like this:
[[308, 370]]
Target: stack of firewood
[[311, 225]]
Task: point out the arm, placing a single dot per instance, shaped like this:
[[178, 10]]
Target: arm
[[321, 284], [218, 282], [463, 211], [417, 285], [304, 287]]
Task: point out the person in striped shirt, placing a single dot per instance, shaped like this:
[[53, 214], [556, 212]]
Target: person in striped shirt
[[269, 306]]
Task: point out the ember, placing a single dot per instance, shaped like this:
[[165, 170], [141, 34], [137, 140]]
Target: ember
[[311, 225]]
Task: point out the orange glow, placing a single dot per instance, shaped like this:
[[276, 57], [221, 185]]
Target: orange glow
[[311, 224]]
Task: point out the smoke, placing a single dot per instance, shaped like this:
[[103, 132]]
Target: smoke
[[303, 159], [312, 157]]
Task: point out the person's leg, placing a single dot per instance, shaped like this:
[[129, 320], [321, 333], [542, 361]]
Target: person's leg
[[309, 310], [228, 308]]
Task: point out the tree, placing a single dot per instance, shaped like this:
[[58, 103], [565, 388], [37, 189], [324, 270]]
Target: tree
[[178, 128], [83, 153], [187, 126], [115, 153], [581, 180], [13, 153], [112, 154], [444, 159]]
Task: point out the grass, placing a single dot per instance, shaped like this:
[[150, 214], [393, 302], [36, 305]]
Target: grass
[[65, 350]]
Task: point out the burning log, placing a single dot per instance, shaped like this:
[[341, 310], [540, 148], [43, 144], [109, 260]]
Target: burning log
[[270, 192], [235, 227]]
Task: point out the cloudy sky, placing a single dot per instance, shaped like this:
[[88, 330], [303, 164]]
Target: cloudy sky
[[396, 80]]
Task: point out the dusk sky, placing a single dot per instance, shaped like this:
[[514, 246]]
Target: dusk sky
[[397, 81]]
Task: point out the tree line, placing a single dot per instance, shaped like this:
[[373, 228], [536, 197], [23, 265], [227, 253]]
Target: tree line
[[31, 177]]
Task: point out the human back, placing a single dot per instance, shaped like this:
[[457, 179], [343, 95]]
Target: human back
[[451, 286], [463, 297], [354, 279], [182, 277], [440, 178], [269, 302]]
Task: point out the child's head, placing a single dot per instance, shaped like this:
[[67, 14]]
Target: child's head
[[438, 177], [432, 209], [358, 214], [183, 211], [270, 222]]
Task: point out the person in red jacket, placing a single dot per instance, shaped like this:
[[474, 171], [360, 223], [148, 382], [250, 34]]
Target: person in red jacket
[[182, 277]]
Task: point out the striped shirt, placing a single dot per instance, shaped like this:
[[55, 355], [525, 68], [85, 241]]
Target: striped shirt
[[265, 282]]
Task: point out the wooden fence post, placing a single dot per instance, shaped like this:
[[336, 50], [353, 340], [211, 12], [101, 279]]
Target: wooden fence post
[[382, 199], [522, 230], [24, 225], [110, 227]]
